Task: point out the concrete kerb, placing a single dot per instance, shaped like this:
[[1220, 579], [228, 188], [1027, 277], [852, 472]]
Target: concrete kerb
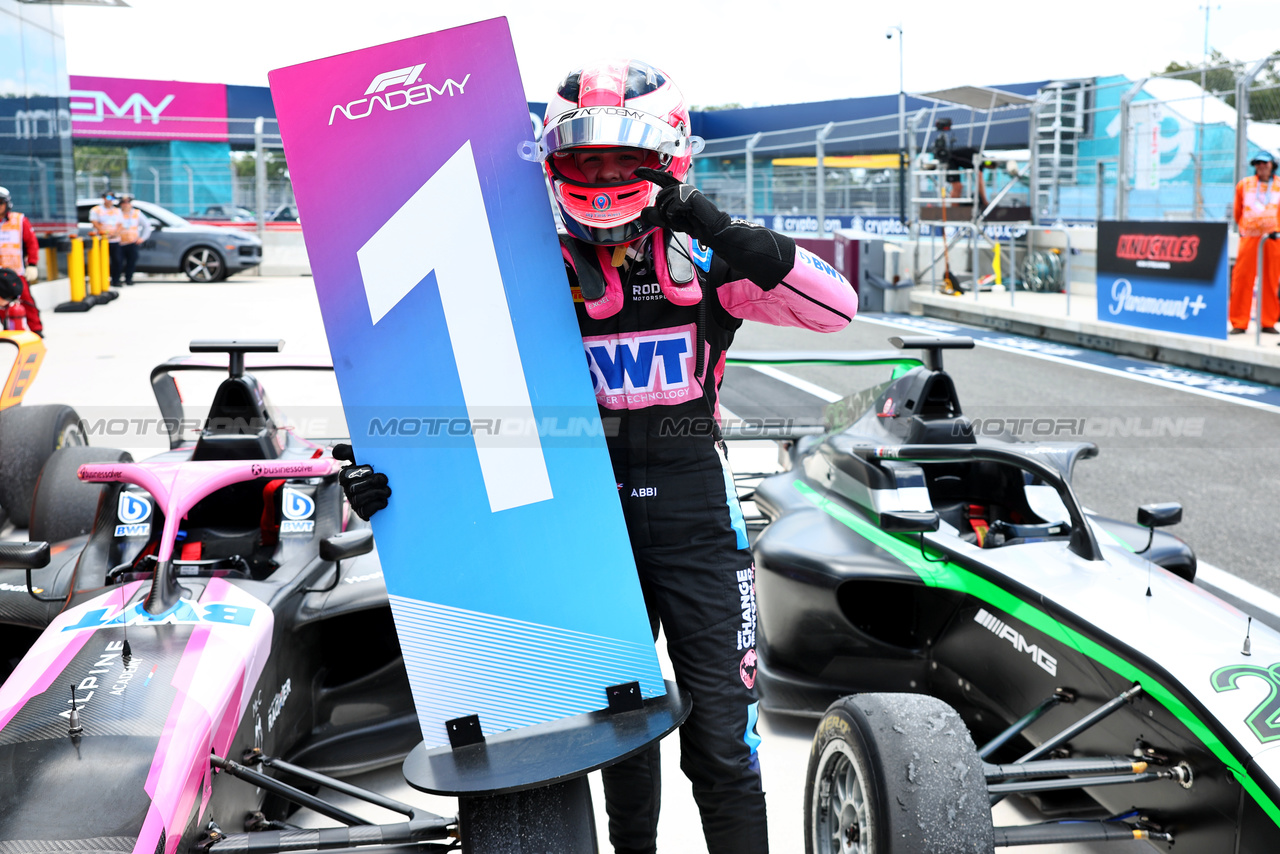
[[1229, 358]]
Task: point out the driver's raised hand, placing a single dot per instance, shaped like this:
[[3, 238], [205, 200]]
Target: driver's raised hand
[[681, 207], [757, 253], [367, 490]]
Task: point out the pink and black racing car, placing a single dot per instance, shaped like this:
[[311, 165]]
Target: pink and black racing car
[[199, 641]]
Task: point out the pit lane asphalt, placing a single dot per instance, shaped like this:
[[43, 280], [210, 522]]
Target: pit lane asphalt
[[100, 360]]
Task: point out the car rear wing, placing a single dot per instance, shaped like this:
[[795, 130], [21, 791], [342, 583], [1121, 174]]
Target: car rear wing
[[169, 400]]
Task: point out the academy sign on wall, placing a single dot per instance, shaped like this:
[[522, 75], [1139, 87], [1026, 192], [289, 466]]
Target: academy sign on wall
[[128, 109]]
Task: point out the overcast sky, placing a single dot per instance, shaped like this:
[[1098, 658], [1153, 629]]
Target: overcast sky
[[754, 52]]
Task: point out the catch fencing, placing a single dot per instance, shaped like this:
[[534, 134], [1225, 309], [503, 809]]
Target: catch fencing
[[1167, 147], [188, 181], [189, 187]]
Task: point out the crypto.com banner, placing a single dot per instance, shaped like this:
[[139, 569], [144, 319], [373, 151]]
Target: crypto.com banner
[[123, 108], [442, 289], [1170, 276]]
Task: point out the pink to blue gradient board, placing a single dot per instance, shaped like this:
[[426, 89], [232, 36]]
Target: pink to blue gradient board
[[462, 374]]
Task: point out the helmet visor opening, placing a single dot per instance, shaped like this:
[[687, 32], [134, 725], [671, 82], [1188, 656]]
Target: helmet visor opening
[[564, 166]]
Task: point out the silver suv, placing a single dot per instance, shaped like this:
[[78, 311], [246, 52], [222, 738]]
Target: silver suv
[[205, 253]]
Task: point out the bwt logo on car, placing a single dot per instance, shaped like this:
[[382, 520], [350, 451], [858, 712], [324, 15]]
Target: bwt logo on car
[[186, 612], [297, 508], [132, 512], [93, 106], [1004, 631], [379, 93]]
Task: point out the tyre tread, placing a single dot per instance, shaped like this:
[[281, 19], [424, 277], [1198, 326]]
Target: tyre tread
[[927, 790]]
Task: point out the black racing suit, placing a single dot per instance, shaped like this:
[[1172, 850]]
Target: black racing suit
[[682, 512]]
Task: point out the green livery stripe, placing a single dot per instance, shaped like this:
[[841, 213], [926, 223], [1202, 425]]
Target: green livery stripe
[[901, 365], [947, 575], [904, 362], [1114, 539]]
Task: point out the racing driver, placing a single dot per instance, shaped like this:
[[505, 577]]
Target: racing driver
[[657, 268]]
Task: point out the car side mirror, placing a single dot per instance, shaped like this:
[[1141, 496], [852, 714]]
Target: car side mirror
[[1159, 515], [27, 556], [346, 545], [24, 555], [908, 521]]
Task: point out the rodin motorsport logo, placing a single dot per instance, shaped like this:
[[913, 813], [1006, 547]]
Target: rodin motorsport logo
[[379, 93]]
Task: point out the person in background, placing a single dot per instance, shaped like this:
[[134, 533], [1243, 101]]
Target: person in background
[[105, 219], [10, 296], [1257, 214], [20, 252], [135, 228]]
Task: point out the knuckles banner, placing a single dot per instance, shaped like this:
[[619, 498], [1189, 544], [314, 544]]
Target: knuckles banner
[[1164, 275]]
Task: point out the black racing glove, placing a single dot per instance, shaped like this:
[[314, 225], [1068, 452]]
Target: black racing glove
[[366, 490], [682, 207], [763, 256]]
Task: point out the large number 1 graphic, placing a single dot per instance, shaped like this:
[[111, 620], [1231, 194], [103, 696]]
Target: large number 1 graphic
[[444, 227]]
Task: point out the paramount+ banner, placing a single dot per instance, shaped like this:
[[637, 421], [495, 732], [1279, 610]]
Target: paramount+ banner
[[1170, 276]]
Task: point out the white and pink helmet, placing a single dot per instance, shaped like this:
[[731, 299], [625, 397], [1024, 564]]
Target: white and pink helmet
[[623, 104]]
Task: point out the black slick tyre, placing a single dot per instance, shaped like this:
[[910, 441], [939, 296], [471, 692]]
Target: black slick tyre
[[65, 506], [28, 436], [895, 774]]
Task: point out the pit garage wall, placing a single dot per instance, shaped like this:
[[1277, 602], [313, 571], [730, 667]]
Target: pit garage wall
[[35, 121]]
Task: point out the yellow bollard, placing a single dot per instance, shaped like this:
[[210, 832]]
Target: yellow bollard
[[75, 269], [104, 255], [75, 278], [51, 263], [95, 267]]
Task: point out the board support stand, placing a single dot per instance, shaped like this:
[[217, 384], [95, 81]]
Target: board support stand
[[526, 790]]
